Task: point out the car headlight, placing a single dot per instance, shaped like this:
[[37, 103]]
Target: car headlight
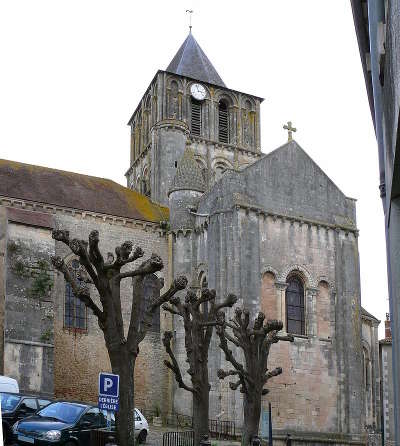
[[15, 427], [52, 435]]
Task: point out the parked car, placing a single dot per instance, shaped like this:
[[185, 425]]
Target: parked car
[[8, 384], [15, 407], [68, 424]]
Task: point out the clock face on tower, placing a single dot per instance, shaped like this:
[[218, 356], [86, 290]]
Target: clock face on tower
[[198, 91]]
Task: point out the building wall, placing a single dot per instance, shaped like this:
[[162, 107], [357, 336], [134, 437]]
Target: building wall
[[385, 353], [278, 216], [43, 355]]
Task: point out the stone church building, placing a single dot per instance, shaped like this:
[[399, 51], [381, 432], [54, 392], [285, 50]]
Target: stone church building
[[271, 228]]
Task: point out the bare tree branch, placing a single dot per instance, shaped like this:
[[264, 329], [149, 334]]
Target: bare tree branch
[[277, 371], [94, 253], [178, 284], [124, 256], [171, 310], [230, 301], [149, 266], [174, 366], [79, 289]]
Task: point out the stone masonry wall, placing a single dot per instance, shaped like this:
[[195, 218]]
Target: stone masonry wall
[[81, 356], [29, 308], [43, 355]]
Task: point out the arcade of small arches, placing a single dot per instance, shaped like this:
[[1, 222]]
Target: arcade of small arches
[[304, 304], [234, 116], [219, 166]]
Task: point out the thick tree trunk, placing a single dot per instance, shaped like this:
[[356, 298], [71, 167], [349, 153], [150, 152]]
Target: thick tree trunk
[[123, 364], [200, 413], [251, 420]]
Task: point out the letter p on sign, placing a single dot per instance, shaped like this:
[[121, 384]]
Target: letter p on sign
[[109, 385]]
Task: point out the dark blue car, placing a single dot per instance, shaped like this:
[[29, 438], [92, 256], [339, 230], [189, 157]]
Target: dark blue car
[[60, 423]]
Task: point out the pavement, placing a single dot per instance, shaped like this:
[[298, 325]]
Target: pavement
[[155, 437]]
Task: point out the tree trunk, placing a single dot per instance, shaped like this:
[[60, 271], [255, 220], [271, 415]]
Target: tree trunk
[[123, 364], [200, 412], [251, 420]]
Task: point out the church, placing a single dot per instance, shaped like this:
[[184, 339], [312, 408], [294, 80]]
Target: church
[[271, 228]]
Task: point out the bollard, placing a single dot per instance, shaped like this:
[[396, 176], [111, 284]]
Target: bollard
[[205, 441], [256, 441]]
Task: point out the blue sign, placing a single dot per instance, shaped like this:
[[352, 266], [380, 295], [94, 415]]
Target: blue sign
[[108, 392]]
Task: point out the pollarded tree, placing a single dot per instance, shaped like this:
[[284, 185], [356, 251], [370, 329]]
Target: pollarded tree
[[199, 320], [255, 342], [106, 276]]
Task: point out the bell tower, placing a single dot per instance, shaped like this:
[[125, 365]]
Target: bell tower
[[190, 100]]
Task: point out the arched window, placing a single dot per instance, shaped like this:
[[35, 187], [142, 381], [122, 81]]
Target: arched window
[[75, 312], [223, 122], [295, 306], [196, 117]]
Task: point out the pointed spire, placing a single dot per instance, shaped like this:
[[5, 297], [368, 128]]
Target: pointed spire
[[188, 175], [191, 61]]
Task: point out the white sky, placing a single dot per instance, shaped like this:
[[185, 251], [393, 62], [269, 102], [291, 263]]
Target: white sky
[[72, 73]]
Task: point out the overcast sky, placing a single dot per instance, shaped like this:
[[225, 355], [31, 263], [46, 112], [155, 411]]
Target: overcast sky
[[72, 73]]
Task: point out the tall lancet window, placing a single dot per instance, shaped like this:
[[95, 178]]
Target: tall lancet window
[[196, 117], [223, 122], [295, 306]]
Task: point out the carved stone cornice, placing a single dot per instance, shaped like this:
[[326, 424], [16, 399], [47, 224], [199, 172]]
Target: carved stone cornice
[[35, 206], [225, 146], [292, 219]]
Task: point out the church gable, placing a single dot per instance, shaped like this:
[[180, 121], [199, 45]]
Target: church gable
[[288, 181]]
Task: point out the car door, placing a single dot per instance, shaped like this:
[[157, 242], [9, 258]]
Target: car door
[[89, 421]]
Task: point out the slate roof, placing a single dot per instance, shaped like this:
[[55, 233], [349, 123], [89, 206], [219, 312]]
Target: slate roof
[[188, 175], [76, 191], [191, 61]]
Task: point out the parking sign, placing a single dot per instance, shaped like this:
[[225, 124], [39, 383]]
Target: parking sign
[[108, 391]]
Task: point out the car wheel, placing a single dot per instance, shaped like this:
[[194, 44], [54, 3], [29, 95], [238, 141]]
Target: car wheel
[[142, 437], [70, 443]]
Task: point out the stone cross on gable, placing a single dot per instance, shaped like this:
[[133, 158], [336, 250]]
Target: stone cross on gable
[[290, 130]]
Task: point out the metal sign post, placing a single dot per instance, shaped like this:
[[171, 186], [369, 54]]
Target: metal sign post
[[269, 425], [108, 394]]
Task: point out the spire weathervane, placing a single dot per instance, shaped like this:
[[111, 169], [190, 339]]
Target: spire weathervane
[[190, 11], [290, 130]]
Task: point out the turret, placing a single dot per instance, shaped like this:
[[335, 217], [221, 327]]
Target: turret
[[186, 189]]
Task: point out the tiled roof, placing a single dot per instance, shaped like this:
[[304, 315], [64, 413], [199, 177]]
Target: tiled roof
[[191, 61], [364, 312], [76, 191], [188, 175]]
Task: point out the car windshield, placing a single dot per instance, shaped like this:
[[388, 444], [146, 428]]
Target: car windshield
[[66, 412], [9, 402]]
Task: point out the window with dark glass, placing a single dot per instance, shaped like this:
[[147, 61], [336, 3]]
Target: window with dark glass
[[204, 305], [196, 117], [75, 315], [223, 122], [295, 306]]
